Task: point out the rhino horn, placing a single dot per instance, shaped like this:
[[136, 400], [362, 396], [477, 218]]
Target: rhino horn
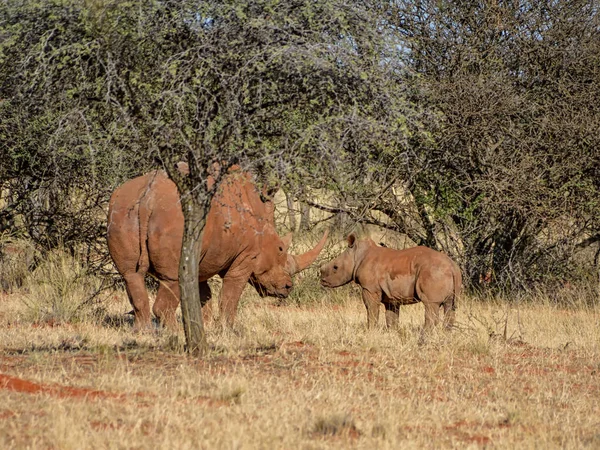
[[298, 263]]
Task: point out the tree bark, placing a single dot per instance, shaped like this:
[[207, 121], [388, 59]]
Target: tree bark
[[291, 211], [304, 216], [191, 306]]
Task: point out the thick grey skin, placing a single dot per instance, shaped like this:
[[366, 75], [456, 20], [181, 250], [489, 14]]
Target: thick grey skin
[[395, 278]]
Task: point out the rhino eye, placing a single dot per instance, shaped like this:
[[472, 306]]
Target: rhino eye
[[335, 267], [280, 249]]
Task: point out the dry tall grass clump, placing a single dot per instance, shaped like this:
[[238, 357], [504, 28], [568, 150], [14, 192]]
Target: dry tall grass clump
[[59, 289], [16, 259]]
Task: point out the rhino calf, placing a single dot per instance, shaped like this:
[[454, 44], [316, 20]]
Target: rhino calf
[[395, 278]]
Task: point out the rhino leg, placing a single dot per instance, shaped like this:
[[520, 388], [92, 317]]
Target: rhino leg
[[138, 297], [230, 296], [372, 301], [392, 314], [165, 305], [206, 301], [449, 313], [432, 314]]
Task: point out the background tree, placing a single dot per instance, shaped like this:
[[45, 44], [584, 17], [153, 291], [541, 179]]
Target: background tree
[[64, 142], [516, 155]]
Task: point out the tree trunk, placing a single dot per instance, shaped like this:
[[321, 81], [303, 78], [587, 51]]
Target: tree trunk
[[428, 224], [291, 211], [304, 216], [191, 306]]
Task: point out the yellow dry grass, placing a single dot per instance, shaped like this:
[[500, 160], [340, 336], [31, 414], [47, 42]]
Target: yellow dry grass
[[309, 377]]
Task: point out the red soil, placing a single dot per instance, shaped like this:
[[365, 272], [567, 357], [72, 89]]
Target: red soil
[[29, 387], [6, 414], [15, 384]]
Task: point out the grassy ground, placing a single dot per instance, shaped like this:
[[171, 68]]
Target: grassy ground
[[307, 377]]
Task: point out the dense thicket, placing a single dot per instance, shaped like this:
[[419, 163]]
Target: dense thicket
[[510, 181], [518, 152], [516, 162], [470, 126], [65, 141]]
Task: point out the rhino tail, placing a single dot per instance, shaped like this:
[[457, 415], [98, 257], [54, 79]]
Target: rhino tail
[[144, 213], [144, 260], [450, 303]]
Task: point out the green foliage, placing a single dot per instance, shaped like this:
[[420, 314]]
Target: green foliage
[[65, 146]]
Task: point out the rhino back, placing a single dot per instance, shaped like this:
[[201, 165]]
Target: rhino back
[[236, 225], [390, 270], [397, 272]]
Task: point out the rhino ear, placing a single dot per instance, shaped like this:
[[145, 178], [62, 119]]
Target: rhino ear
[[287, 240], [351, 240]]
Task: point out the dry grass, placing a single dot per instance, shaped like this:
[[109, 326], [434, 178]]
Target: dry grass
[[304, 376], [59, 290], [16, 257]]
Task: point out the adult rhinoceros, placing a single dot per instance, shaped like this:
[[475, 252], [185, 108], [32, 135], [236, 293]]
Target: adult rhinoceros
[[240, 243], [395, 278]]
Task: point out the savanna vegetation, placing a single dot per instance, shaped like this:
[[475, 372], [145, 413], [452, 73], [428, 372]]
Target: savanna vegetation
[[469, 127], [308, 376]]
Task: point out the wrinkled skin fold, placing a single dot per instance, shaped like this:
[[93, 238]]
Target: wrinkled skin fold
[[240, 243], [395, 278]]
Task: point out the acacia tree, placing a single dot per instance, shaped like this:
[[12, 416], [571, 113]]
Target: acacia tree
[[61, 149], [294, 92], [301, 93]]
